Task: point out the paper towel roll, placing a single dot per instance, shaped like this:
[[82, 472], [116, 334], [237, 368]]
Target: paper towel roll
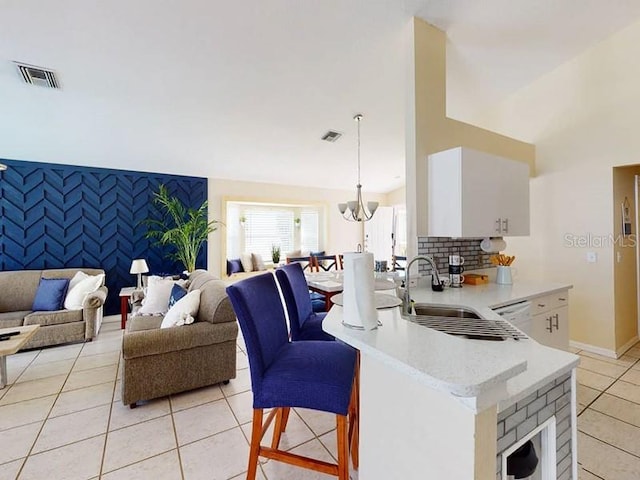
[[493, 245], [359, 306]]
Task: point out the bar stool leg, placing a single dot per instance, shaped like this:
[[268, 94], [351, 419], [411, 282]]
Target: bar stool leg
[[281, 424], [354, 417], [254, 449], [343, 448]]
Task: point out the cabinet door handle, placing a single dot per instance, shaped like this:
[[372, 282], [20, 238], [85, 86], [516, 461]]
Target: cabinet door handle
[[505, 225], [498, 225], [549, 327], [541, 305], [556, 324], [562, 299]]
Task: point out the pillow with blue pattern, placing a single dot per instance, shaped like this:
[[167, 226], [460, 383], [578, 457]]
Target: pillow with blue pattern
[[177, 292]]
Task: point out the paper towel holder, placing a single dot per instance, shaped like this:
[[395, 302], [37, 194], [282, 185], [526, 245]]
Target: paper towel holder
[[493, 244]]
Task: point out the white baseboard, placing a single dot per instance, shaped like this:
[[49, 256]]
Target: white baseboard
[[620, 351], [605, 352]]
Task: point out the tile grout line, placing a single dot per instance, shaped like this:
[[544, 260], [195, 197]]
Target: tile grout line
[[601, 392], [26, 458], [106, 434], [612, 446], [175, 436]]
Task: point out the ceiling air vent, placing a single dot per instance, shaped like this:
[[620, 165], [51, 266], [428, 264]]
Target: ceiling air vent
[[331, 136], [37, 75]]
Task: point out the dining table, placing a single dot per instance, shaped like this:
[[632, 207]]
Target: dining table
[[330, 284]]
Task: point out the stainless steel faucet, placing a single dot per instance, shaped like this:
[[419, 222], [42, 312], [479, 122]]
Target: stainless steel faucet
[[435, 280]]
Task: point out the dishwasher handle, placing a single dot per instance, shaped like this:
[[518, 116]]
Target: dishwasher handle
[[514, 309]]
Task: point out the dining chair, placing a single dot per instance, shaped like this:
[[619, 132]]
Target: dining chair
[[324, 262], [398, 263], [305, 324], [312, 374], [305, 262]]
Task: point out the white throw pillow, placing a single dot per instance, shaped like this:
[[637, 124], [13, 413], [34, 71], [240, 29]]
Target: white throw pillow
[[247, 262], [258, 263], [183, 311], [76, 295], [156, 298], [77, 278]]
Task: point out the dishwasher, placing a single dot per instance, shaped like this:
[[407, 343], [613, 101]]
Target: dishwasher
[[518, 315]]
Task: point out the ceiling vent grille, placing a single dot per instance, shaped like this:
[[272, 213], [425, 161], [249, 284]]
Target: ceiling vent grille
[[37, 76], [331, 136]]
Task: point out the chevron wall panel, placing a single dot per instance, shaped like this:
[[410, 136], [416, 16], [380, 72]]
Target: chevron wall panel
[[54, 216]]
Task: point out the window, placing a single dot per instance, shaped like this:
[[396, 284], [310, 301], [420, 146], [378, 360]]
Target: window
[[257, 227], [265, 227]]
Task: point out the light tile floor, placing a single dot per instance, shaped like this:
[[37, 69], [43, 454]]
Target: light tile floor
[[62, 418], [609, 416]]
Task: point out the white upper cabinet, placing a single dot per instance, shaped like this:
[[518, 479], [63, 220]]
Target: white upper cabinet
[[475, 194]]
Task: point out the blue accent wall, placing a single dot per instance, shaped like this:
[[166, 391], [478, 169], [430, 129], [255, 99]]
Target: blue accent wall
[[55, 216]]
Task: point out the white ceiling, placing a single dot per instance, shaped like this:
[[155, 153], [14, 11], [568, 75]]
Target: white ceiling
[[244, 90]]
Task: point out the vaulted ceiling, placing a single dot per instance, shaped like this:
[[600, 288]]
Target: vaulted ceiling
[[245, 90]]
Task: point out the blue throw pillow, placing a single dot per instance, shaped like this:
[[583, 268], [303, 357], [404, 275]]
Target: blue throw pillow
[[177, 292], [234, 266], [50, 294]]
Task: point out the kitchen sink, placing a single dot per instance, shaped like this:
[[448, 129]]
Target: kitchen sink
[[462, 322], [424, 309]]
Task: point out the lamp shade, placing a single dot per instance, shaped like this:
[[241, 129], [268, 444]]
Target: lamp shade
[[139, 265]]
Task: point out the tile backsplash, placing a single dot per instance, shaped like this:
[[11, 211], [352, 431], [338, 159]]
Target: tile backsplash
[[439, 248]]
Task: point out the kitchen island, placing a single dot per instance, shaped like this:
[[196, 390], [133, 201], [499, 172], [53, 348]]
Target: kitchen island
[[439, 406]]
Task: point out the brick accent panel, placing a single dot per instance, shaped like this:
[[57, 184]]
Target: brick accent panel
[[441, 247], [520, 419]]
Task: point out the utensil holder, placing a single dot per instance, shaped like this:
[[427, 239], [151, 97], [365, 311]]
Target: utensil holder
[[503, 275]]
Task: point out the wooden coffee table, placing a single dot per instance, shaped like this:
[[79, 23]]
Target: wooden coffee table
[[11, 346]]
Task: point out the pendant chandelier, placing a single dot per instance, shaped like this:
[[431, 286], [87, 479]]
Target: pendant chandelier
[[355, 210]]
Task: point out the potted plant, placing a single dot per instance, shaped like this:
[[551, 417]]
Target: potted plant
[[186, 229], [275, 254]]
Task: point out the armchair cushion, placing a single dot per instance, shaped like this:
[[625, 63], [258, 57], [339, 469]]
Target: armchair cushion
[[50, 294], [164, 340], [53, 318]]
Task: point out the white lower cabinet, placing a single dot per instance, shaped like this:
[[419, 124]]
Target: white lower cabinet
[[550, 320]]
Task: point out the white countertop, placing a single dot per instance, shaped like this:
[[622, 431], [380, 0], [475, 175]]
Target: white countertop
[[487, 295], [462, 367]]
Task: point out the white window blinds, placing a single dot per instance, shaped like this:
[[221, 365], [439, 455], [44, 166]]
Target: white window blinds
[[309, 231], [265, 227]]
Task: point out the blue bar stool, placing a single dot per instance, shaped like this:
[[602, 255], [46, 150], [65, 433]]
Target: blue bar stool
[[313, 374], [305, 324]]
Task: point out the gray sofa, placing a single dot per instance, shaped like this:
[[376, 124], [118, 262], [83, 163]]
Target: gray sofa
[[158, 362], [61, 326]]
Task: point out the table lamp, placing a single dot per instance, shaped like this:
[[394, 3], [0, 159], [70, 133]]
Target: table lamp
[[139, 266]]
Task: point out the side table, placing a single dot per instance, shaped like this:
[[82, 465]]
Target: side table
[[125, 296], [11, 346]]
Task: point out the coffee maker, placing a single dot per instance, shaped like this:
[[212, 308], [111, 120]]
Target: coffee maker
[[456, 279]]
